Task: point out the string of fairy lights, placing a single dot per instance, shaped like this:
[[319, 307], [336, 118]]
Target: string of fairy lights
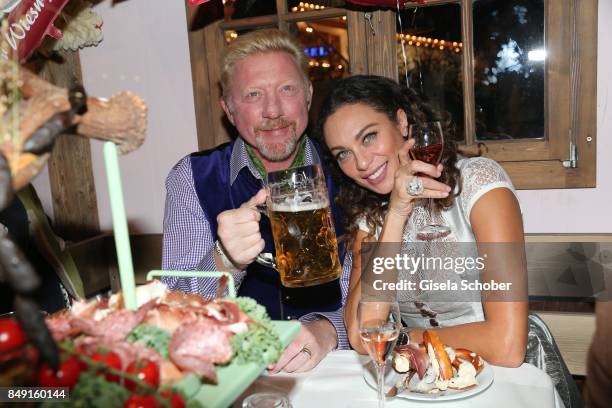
[[306, 7], [428, 42], [405, 39]]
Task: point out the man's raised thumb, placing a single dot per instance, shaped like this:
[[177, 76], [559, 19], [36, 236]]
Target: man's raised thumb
[[257, 199]]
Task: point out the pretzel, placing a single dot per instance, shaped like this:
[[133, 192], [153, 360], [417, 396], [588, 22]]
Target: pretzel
[[462, 354], [446, 370]]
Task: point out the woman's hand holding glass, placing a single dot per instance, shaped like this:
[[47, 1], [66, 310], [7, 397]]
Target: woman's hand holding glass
[[401, 201], [428, 147]]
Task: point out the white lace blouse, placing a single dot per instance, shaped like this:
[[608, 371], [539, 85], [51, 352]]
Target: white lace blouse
[[421, 309]]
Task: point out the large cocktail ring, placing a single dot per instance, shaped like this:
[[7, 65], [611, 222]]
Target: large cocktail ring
[[415, 187]]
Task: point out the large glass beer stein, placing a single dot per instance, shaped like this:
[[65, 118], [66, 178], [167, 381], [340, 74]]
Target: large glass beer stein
[[302, 227]]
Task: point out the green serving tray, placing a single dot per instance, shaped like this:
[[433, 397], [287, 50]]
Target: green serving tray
[[233, 378]]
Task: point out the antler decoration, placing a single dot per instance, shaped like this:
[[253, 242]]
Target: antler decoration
[[47, 112], [33, 113]]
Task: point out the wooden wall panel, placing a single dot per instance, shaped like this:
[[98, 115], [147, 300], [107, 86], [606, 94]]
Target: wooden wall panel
[[358, 52], [199, 76], [73, 190], [586, 89], [382, 44], [215, 43]]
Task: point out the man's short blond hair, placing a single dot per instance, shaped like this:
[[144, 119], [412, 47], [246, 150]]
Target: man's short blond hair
[[259, 42]]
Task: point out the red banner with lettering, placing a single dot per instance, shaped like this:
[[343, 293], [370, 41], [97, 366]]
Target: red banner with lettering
[[29, 21]]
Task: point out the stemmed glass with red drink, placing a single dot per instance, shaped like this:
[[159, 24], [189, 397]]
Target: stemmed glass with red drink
[[428, 147]]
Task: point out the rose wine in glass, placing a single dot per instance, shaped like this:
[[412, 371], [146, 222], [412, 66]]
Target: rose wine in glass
[[379, 327], [379, 341], [428, 147]]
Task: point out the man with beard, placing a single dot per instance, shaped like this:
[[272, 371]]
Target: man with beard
[[210, 220]]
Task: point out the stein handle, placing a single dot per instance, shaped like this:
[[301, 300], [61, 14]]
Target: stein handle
[[262, 208], [266, 259]]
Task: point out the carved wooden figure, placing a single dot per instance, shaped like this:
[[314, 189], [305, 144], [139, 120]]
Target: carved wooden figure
[[42, 113]]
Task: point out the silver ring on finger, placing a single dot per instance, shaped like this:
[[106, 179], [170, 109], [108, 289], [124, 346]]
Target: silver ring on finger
[[415, 187]]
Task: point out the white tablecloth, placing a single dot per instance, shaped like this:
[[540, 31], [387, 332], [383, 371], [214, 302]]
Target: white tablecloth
[[338, 382]]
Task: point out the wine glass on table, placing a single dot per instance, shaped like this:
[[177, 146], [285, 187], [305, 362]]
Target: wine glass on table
[[379, 326], [428, 148]]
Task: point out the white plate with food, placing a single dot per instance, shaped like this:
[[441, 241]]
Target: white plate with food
[[433, 372]]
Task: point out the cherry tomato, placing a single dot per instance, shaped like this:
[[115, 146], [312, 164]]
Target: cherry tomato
[[141, 401], [67, 374], [11, 335], [176, 399], [46, 376], [109, 359], [10, 355], [145, 370], [80, 350]]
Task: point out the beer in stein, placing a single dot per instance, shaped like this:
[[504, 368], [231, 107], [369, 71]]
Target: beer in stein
[[302, 227]]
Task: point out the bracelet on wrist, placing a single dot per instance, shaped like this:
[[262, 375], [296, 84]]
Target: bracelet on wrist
[[224, 258]]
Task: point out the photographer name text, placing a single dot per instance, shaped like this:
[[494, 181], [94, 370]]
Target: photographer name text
[[430, 285]]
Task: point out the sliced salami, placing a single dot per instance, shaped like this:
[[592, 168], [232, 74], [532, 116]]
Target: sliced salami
[[196, 344]]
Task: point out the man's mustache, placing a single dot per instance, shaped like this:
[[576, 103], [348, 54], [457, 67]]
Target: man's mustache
[[275, 124]]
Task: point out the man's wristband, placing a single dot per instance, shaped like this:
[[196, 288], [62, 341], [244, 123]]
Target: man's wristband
[[224, 259]]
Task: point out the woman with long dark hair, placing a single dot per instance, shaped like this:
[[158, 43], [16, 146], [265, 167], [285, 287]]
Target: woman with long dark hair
[[364, 122]]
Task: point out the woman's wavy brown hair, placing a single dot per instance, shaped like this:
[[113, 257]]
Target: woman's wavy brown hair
[[385, 96]]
